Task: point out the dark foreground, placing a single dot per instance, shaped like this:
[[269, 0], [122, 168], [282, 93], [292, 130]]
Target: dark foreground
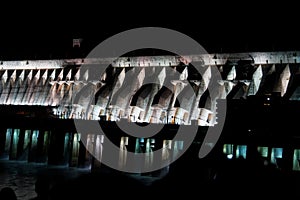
[[199, 179]]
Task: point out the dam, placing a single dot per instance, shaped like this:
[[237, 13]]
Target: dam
[[41, 99]]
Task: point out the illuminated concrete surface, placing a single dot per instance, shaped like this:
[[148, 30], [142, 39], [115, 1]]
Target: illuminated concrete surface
[[57, 82]]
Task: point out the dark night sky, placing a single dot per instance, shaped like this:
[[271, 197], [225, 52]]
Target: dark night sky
[[47, 32]]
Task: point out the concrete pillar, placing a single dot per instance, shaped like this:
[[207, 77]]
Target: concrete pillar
[[26, 145], [14, 88], [149, 156], [82, 152], [205, 117], [282, 83], [85, 98], [232, 74], [229, 86], [115, 87], [135, 113], [256, 80], [196, 114], [41, 154], [33, 146], [200, 89], [139, 148], [98, 151], [8, 141], [85, 152], [177, 149], [6, 87], [76, 88], [14, 144], [132, 83], [181, 116], [178, 86], [296, 160], [22, 88], [167, 152], [67, 148], [157, 144], [30, 94], [123, 152], [76, 111], [223, 93], [96, 112], [115, 113], [89, 113], [52, 97], [171, 116], [45, 89], [75, 150], [148, 102], [37, 90], [161, 75], [156, 114]]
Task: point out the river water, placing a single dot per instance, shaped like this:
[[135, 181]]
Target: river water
[[21, 176]]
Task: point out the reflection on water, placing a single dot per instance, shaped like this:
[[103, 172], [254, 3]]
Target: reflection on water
[[21, 176]]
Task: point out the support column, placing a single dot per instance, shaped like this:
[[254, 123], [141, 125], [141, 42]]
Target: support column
[[157, 144], [139, 148], [14, 144], [81, 153], [8, 136], [90, 143], [33, 146], [42, 146], [123, 152], [98, 151], [166, 155], [85, 151], [66, 148], [75, 150], [26, 145]]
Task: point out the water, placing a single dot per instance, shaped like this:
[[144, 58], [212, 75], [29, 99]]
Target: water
[[21, 176]]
